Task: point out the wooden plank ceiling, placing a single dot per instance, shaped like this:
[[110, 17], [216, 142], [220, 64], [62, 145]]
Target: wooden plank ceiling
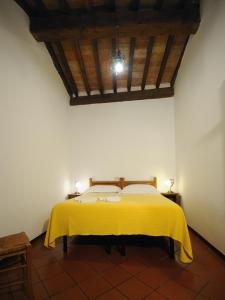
[[82, 36]]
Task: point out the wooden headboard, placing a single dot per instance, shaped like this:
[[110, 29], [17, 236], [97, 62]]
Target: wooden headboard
[[122, 182], [150, 182], [115, 182]]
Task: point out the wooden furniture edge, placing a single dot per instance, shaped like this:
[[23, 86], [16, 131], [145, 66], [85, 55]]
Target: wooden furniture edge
[[122, 182], [106, 182]]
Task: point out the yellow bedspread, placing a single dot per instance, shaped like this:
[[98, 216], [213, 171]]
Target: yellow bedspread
[[152, 215]]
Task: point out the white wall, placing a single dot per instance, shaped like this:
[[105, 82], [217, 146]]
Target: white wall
[[200, 126], [130, 139], [34, 151]]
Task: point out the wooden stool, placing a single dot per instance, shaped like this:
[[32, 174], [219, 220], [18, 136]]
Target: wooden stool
[[12, 247]]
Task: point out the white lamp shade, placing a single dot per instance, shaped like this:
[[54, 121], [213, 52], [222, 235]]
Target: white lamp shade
[[78, 184]]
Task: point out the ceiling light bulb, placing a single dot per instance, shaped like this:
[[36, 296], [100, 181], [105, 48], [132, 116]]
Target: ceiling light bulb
[[118, 63], [119, 66]]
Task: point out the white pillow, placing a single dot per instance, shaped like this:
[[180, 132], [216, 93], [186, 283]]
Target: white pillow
[[103, 189], [139, 189]]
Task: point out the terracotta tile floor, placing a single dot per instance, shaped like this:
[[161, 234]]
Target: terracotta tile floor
[[146, 272]]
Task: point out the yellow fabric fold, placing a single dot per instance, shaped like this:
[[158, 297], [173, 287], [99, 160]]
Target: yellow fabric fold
[[152, 215]]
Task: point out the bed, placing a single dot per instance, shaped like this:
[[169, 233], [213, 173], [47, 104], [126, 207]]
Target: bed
[[134, 214]]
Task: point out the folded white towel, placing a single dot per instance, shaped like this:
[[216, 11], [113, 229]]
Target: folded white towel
[[86, 199], [110, 198]]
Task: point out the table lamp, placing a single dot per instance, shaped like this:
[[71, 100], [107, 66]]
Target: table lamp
[[170, 183], [77, 187]]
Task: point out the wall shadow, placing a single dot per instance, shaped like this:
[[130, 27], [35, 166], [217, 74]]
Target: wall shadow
[[219, 129], [222, 103]]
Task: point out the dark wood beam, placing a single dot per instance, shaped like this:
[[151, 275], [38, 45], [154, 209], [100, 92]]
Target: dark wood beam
[[191, 8], [125, 96], [64, 6], [40, 5], [58, 68], [134, 5], [87, 4], [184, 4], [65, 67], [82, 66], [181, 4], [112, 5], [178, 63], [97, 65], [114, 83], [26, 7], [102, 24], [130, 64], [147, 61], [159, 4], [164, 60]]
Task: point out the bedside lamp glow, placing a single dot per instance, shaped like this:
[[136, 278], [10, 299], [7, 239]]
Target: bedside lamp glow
[[78, 186], [169, 183]]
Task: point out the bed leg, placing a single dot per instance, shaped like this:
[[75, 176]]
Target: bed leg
[[171, 248], [121, 246], [107, 245], [65, 244]]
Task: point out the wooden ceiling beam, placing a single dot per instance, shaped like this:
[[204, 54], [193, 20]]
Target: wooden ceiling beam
[[64, 6], [59, 68], [26, 7], [147, 61], [130, 64], [164, 60], [181, 4], [40, 5], [102, 24], [178, 63], [65, 67], [159, 4], [87, 4], [112, 5], [125, 96], [97, 65], [134, 5], [114, 82], [82, 67]]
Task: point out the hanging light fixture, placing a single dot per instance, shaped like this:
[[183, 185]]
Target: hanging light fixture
[[118, 62]]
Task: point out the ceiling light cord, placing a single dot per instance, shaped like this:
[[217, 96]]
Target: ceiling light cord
[[118, 63]]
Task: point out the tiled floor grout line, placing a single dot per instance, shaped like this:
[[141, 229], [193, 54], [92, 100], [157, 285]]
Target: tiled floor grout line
[[154, 291], [122, 293], [199, 292], [42, 283], [105, 292], [102, 275], [42, 280], [131, 276], [75, 282], [123, 281], [98, 273]]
